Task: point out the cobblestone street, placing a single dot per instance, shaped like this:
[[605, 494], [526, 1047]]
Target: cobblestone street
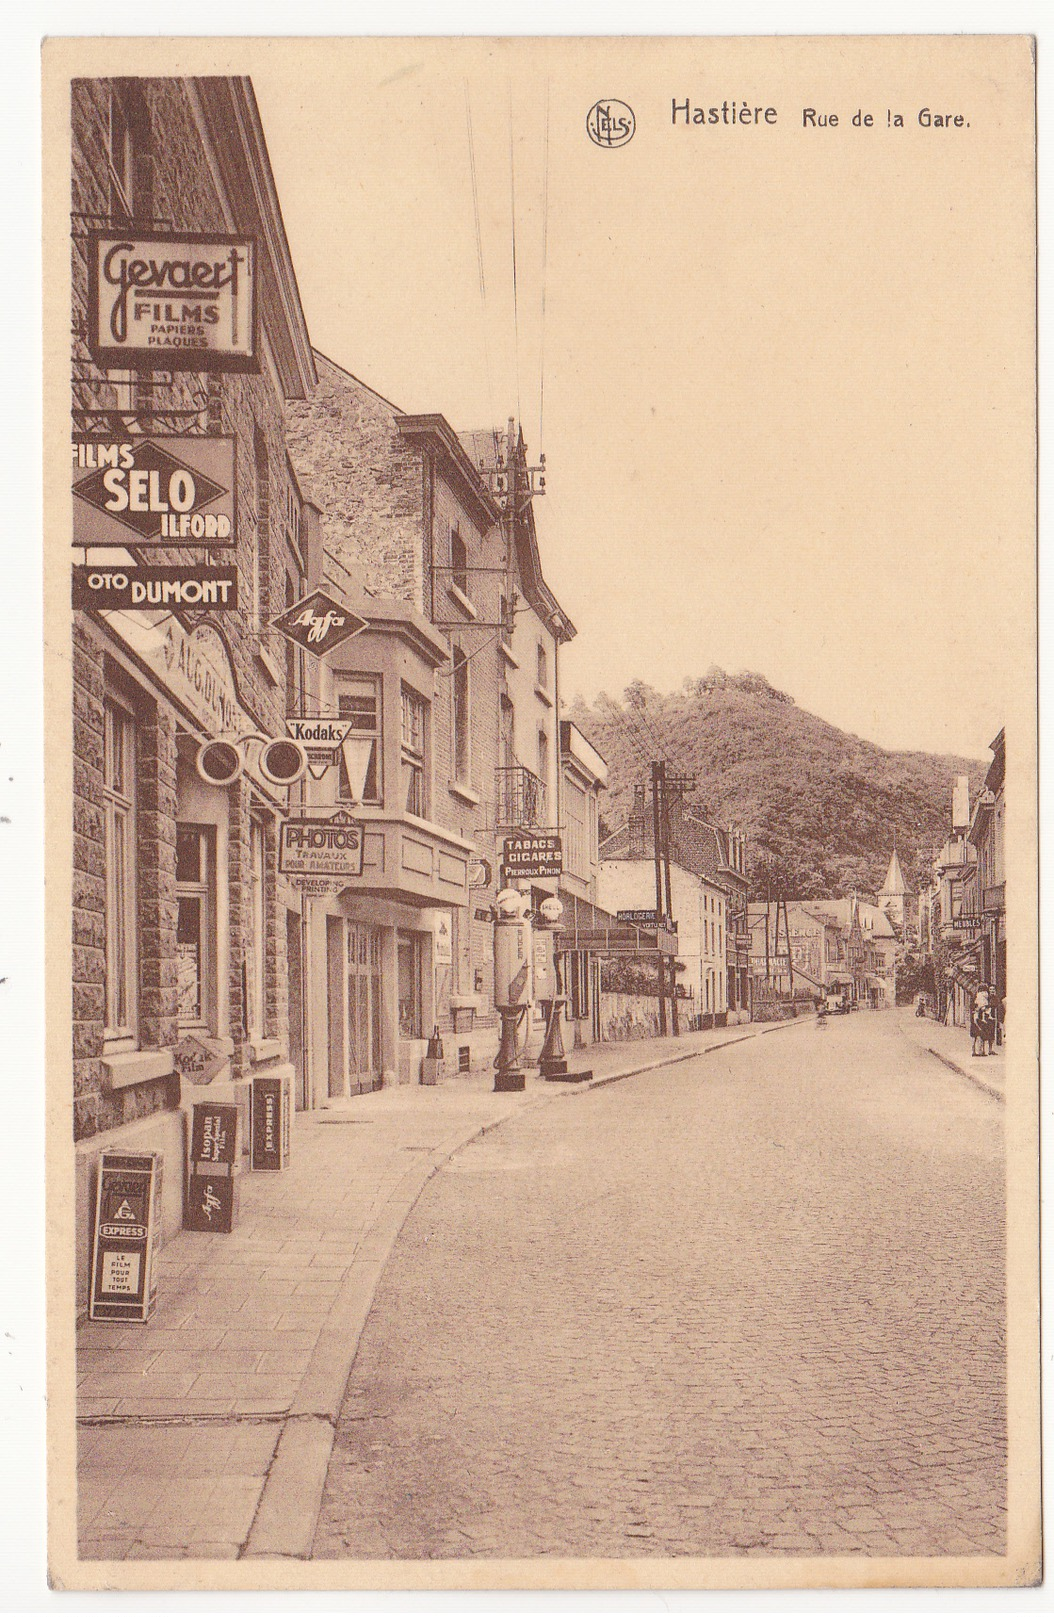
[[748, 1304]]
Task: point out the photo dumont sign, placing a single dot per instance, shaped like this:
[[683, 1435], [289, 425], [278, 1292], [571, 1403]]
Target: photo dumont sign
[[172, 301]]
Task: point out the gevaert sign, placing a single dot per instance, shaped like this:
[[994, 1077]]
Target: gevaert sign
[[146, 589], [533, 853], [153, 492], [330, 847], [172, 300]]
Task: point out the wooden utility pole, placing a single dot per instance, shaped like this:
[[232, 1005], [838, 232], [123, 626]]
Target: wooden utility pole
[[658, 773]]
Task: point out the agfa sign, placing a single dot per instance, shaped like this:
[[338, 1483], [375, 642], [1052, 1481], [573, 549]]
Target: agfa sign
[[319, 624], [172, 301]]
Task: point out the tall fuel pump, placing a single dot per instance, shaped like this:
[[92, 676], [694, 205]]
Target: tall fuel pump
[[513, 982]]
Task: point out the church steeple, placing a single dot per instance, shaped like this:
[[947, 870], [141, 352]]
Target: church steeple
[[894, 885]]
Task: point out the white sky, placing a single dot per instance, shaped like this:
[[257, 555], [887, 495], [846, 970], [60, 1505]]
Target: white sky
[[780, 368]]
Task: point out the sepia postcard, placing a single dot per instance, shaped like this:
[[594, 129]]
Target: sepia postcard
[[540, 573]]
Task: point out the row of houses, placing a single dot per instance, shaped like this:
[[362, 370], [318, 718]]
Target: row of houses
[[819, 947], [306, 737], [962, 913]]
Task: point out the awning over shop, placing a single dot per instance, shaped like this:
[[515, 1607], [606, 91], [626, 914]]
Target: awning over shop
[[586, 927]]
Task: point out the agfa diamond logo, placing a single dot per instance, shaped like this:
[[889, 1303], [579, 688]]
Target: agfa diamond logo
[[610, 123], [319, 623]]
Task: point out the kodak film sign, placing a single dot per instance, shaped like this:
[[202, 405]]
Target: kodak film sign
[[154, 492], [172, 301]]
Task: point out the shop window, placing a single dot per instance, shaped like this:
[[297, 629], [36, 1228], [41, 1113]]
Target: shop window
[[256, 946], [196, 923], [414, 733], [462, 749], [458, 560], [119, 811], [359, 699], [410, 1006]]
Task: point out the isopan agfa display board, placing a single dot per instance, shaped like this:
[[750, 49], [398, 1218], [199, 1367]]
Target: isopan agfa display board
[[173, 301]]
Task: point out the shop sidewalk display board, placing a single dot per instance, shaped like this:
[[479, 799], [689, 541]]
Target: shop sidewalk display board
[[127, 1223], [269, 1123], [212, 1183]]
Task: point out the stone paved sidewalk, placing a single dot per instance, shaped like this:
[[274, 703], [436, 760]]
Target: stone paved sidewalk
[[951, 1045], [205, 1433]]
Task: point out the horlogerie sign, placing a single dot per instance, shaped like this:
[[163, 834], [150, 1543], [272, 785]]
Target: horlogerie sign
[[173, 301]]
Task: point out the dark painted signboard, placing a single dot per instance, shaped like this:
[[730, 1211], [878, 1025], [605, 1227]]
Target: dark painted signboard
[[269, 1126], [530, 854], [155, 589], [127, 1219], [318, 623], [212, 1202], [214, 1134]]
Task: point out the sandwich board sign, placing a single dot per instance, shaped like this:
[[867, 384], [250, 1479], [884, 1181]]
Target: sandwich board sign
[[127, 1221]]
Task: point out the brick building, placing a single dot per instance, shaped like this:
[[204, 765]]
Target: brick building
[[181, 924], [435, 533]]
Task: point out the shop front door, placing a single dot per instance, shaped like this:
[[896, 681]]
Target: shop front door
[[354, 979]]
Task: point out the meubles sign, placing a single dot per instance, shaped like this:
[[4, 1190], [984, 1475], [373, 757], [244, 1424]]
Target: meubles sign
[[172, 301]]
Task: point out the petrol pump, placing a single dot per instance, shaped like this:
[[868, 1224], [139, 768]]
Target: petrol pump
[[513, 982]]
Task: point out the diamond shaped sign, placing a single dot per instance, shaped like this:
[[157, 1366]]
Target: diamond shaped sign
[[319, 623], [150, 490]]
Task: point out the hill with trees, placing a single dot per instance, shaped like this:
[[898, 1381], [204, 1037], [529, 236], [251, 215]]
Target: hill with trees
[[820, 807]]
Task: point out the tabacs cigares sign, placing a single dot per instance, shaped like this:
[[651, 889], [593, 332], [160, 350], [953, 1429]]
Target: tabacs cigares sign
[[154, 492], [172, 300], [332, 847], [533, 854], [318, 623]]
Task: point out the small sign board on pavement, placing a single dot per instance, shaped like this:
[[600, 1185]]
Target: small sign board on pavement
[[127, 1217]]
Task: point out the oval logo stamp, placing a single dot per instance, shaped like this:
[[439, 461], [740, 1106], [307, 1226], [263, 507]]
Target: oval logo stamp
[[610, 123]]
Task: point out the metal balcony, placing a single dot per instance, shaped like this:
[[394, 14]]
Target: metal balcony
[[520, 798]]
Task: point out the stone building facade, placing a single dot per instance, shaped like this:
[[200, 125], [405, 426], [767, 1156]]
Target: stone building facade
[[181, 924]]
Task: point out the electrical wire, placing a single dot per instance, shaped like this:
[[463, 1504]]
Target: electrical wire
[[545, 266], [479, 251], [515, 288]]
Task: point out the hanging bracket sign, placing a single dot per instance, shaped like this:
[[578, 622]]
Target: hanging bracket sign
[[321, 740], [318, 623], [332, 847], [172, 301]]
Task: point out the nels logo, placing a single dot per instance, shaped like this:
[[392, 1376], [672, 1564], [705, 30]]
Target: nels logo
[[610, 123]]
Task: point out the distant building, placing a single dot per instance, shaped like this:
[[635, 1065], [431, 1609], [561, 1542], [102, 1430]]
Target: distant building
[[898, 903], [699, 907], [985, 835]]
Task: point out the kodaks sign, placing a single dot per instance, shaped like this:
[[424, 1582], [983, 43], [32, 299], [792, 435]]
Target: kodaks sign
[[140, 589], [172, 301], [153, 492]]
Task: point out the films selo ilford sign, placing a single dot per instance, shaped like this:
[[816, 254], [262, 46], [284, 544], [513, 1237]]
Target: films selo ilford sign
[[331, 847], [172, 300], [154, 492]]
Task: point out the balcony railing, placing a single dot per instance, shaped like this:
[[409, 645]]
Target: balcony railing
[[520, 797]]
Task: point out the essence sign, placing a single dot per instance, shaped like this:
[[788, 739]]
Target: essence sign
[[172, 301]]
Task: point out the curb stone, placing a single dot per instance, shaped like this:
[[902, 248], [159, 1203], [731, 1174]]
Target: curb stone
[[286, 1518], [972, 1077]]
